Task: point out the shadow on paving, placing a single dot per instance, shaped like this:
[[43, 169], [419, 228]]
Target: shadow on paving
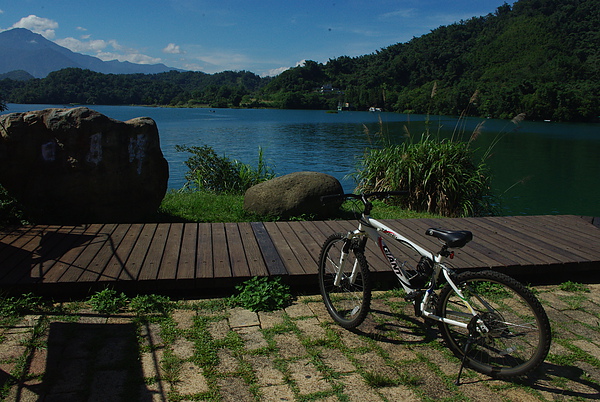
[[92, 361]]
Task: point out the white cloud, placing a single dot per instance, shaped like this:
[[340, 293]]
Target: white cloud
[[134, 57], [42, 26], [276, 71], [403, 13], [79, 46], [172, 49]]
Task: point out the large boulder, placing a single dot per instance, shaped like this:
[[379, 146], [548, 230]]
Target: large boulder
[[79, 166], [294, 194]]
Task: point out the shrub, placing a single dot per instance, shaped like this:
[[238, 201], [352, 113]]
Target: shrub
[[108, 301], [440, 176], [218, 174], [262, 294]]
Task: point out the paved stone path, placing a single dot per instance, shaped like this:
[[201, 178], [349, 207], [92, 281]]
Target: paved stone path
[[204, 350]]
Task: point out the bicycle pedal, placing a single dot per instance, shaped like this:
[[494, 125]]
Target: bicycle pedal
[[414, 295]]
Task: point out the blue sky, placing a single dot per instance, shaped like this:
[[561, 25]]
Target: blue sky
[[262, 36]]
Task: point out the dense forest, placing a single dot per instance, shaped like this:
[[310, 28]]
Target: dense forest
[[539, 57]]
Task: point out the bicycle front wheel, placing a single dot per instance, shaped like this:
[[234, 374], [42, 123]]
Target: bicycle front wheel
[[515, 337], [348, 302]]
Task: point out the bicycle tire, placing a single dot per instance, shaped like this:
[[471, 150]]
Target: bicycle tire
[[349, 303], [519, 336]]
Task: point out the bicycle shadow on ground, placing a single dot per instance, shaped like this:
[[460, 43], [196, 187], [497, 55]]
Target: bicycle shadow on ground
[[400, 329]]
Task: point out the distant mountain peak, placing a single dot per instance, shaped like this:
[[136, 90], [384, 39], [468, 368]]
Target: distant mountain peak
[[24, 50]]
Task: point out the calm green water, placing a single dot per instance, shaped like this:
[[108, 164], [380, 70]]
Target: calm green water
[[538, 167]]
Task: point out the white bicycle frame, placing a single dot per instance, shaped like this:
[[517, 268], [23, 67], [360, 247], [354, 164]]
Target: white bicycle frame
[[372, 229]]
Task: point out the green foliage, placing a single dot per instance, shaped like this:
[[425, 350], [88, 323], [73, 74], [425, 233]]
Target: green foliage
[[211, 172], [536, 56], [575, 287], [262, 294], [108, 301], [151, 304], [11, 212], [439, 174], [16, 306]]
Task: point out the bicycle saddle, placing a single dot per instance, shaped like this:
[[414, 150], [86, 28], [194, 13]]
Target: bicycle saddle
[[452, 238]]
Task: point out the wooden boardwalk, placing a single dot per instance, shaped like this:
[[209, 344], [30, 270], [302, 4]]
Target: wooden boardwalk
[[203, 258]]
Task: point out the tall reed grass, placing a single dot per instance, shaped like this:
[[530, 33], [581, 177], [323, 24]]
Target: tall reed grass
[[442, 175]]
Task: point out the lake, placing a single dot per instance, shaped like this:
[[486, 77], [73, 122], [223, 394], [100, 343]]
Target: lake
[[537, 167]]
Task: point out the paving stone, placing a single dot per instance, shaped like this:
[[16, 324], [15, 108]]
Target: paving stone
[[12, 347], [357, 390], [318, 309], [351, 339], [240, 317], [71, 377], [269, 319], [311, 328], [399, 393], [336, 360], [252, 337], [588, 347], [397, 352], [151, 333], [266, 374], [277, 393], [38, 362], [584, 317], [514, 394], [150, 362], [227, 362], [184, 318], [108, 385], [289, 346], [373, 363], [308, 379], [234, 390], [298, 310], [183, 348], [192, 380], [218, 329]]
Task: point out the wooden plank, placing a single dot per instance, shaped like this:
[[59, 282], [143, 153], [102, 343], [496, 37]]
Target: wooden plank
[[20, 253], [73, 245], [237, 254], [102, 257], [292, 265], [271, 256], [221, 265], [204, 256], [187, 257], [81, 265], [256, 263], [53, 245], [468, 257], [153, 260], [135, 261], [570, 233], [119, 258], [550, 243], [168, 267]]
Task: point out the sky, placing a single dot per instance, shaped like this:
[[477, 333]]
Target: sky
[[262, 36]]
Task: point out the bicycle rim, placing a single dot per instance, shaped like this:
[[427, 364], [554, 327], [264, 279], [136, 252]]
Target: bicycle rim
[[517, 338], [348, 303]]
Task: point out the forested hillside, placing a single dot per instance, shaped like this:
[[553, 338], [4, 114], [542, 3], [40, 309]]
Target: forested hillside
[[539, 57]]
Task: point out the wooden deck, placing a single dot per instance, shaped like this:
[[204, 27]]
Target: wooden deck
[[203, 258]]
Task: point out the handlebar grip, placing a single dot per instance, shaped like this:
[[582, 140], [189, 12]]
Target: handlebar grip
[[332, 197]]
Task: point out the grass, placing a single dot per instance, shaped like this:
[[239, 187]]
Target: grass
[[196, 206]]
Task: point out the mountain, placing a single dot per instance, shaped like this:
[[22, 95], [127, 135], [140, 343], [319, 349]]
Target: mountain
[[24, 50]]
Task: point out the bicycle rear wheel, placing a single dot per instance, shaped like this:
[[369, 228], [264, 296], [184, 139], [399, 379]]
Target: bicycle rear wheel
[[518, 337], [349, 302]]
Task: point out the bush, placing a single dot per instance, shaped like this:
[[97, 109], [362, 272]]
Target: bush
[[440, 176], [262, 294], [211, 172]]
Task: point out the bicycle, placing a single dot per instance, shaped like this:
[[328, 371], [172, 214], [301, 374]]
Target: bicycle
[[490, 321]]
